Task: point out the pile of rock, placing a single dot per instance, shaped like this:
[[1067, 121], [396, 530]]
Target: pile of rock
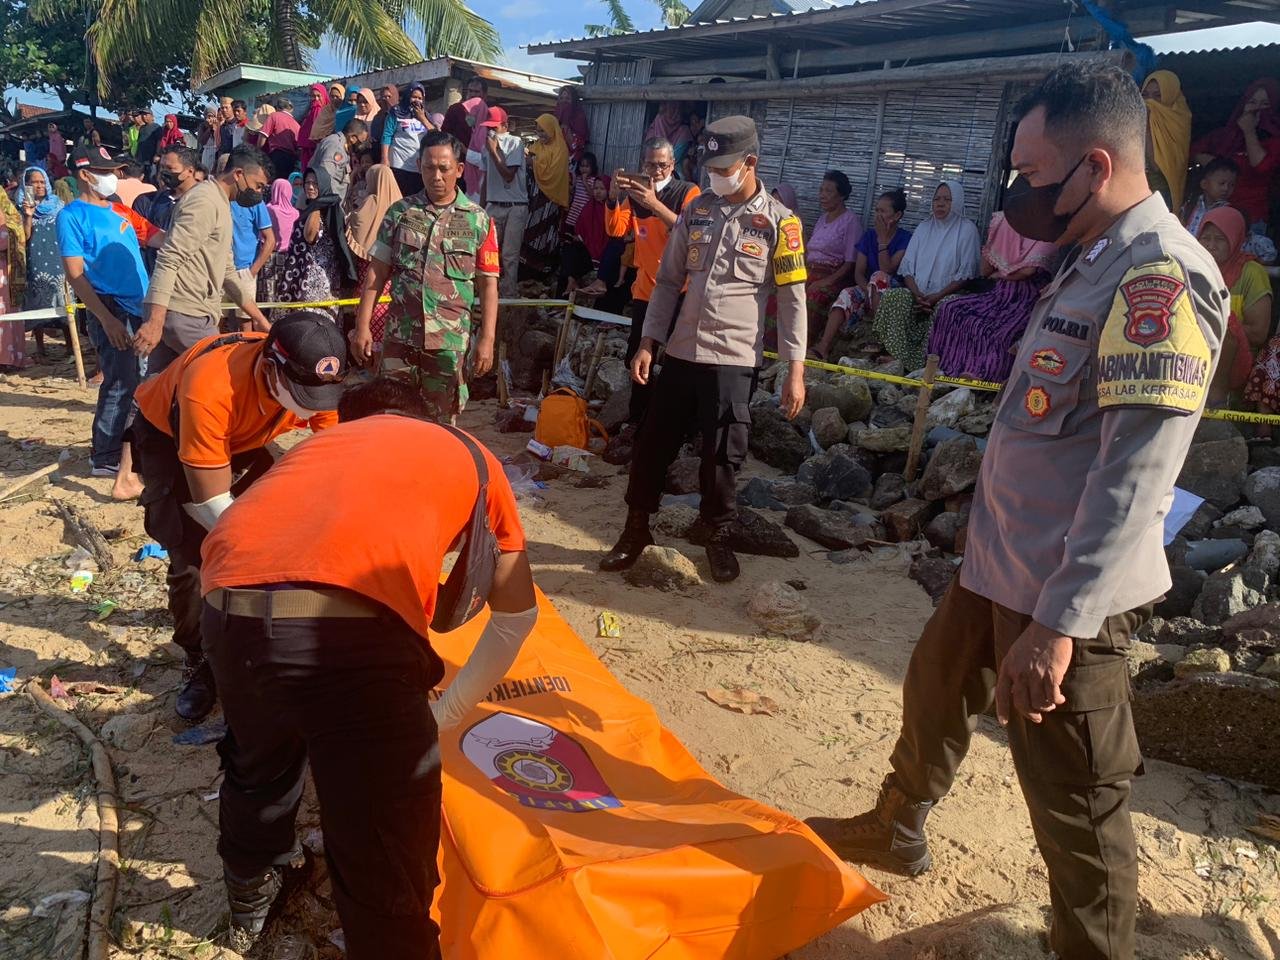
[[845, 455]]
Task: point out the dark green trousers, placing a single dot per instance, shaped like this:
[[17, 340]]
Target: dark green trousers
[[1074, 768]]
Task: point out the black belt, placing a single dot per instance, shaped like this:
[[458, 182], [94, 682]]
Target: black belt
[[508, 203]]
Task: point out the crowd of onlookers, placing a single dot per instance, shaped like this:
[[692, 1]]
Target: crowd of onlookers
[[941, 290], [346, 156]]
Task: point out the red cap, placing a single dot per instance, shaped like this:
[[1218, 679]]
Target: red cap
[[497, 117]]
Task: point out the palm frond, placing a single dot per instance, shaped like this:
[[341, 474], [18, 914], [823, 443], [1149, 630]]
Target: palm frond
[[451, 28], [126, 30], [674, 12], [218, 37], [619, 20], [366, 34]]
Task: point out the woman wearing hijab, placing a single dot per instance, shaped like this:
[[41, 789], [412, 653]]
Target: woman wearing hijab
[[551, 161], [406, 125], [1223, 233], [327, 122], [13, 281], [45, 283], [974, 335], [474, 165], [787, 194], [362, 234], [944, 253], [307, 133], [670, 126], [284, 216], [318, 264], [1168, 136], [1251, 139], [170, 135], [65, 189], [572, 119], [366, 106]]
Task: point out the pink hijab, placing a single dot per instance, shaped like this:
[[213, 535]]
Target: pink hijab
[[283, 213], [477, 110], [1008, 251], [306, 145]]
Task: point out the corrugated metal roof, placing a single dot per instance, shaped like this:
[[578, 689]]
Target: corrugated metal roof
[[865, 24]]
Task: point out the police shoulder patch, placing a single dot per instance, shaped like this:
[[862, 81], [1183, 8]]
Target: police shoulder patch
[[1153, 352], [788, 253]]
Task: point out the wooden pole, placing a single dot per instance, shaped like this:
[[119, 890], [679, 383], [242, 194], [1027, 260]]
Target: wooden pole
[[73, 335], [591, 369], [32, 477], [922, 413], [504, 395], [104, 892]]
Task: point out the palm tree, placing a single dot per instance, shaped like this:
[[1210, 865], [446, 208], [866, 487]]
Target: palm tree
[[674, 13], [369, 33]]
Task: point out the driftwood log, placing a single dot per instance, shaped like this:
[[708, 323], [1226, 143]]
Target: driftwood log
[[86, 534], [104, 892]]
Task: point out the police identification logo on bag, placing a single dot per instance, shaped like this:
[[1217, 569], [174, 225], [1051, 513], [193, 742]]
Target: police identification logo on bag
[[536, 764]]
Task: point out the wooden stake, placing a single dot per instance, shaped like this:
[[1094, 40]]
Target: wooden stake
[[591, 369], [104, 892], [504, 395], [73, 335], [922, 412], [29, 478]]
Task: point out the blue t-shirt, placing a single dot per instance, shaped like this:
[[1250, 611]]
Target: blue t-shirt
[[869, 245], [245, 224], [109, 247]]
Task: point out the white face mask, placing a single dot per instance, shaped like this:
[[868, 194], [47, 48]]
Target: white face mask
[[283, 397], [662, 185], [723, 186], [105, 184]]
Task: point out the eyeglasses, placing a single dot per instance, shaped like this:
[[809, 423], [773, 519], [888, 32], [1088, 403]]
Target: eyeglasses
[[657, 165]]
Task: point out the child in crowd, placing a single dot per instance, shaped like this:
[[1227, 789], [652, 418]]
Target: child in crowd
[[1217, 183]]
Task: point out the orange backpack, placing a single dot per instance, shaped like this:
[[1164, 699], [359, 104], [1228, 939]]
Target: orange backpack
[[563, 421]]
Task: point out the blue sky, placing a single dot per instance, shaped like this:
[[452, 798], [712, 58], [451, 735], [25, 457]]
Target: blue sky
[[522, 22]]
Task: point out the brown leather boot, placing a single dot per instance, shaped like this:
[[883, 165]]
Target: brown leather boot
[[891, 835]]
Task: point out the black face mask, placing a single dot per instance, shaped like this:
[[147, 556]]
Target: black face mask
[[249, 197], [1029, 210], [170, 179]]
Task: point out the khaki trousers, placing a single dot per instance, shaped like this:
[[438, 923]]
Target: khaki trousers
[[1074, 768]]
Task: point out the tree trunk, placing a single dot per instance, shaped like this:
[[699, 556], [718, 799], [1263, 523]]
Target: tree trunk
[[286, 24]]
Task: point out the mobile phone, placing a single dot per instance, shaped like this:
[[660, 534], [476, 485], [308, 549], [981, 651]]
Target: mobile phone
[[638, 179]]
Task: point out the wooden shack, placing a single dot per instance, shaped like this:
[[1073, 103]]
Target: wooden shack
[[896, 93]]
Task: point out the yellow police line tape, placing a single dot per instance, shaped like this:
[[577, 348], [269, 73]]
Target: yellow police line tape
[[1235, 416]]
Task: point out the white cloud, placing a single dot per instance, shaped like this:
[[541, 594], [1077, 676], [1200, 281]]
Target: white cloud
[[521, 10], [517, 57]]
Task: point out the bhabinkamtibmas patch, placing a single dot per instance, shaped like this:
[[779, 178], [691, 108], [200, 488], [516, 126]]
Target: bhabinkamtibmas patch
[[788, 254], [1152, 352]]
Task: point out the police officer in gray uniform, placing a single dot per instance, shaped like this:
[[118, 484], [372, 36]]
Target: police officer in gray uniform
[[1065, 556], [734, 250]]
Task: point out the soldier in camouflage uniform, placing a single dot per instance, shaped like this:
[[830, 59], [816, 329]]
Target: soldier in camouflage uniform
[[433, 246]]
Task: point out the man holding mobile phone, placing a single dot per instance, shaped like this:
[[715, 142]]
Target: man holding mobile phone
[[508, 194], [646, 205]]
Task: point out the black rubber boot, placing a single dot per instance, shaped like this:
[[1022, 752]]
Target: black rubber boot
[[199, 692], [892, 835], [635, 537], [250, 900], [724, 564]]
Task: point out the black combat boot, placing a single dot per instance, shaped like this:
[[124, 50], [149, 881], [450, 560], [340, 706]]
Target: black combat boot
[[635, 537], [724, 565], [250, 901], [891, 835], [199, 692]]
